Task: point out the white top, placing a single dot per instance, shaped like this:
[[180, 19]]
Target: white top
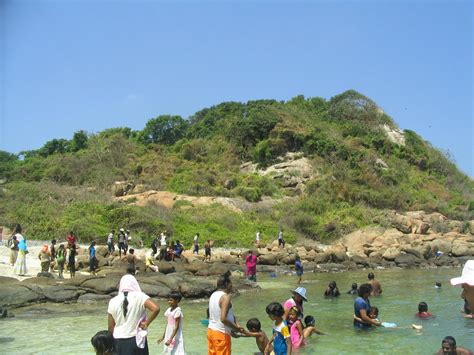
[[163, 240], [215, 313], [196, 239], [19, 237], [110, 238], [257, 236], [177, 345], [126, 327]]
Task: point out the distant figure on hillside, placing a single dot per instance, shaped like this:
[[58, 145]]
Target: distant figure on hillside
[[196, 244], [449, 347], [281, 241], [110, 242], [376, 286]]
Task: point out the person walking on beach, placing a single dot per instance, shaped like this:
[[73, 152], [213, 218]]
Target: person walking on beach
[[20, 264], [13, 245], [71, 261], [127, 317], [222, 320], [45, 258], [376, 287], [61, 259], [251, 265]]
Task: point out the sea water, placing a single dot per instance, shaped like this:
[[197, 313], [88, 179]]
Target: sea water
[[68, 328]]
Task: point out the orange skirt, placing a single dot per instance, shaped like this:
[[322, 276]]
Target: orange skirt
[[218, 343]]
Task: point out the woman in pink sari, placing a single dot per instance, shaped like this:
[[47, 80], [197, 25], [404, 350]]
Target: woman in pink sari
[[251, 264]]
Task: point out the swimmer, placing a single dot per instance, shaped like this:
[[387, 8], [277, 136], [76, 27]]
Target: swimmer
[[423, 311]]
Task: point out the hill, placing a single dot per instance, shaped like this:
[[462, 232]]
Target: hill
[[359, 165]]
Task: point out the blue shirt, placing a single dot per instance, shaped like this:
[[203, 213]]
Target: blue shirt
[[92, 251], [360, 304]]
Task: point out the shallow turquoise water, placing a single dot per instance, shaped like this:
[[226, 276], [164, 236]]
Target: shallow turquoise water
[[73, 325]]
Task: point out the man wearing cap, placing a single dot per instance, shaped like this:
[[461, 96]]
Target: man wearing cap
[[466, 280], [299, 295]]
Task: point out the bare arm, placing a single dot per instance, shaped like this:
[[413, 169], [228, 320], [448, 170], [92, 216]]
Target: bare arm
[[225, 306], [366, 319], [111, 323], [288, 345], [154, 309], [299, 327]]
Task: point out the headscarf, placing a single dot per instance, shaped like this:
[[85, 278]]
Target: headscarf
[[22, 245], [129, 283]]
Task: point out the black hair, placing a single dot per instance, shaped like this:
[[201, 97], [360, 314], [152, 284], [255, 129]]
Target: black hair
[[175, 296], [333, 284], [438, 284], [207, 313], [103, 342], [371, 276], [364, 289], [450, 340], [17, 229], [254, 324], [131, 251], [354, 286], [422, 307], [275, 309], [125, 304], [374, 310], [297, 310], [53, 241], [131, 270], [297, 257], [309, 320], [224, 280]]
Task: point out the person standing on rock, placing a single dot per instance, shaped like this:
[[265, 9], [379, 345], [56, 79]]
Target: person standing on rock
[[52, 250], [376, 286], [221, 318], [196, 244], [71, 261], [127, 317], [281, 241], [251, 265], [132, 261], [163, 246], [13, 245], [207, 250], [61, 259], [92, 258], [110, 242], [121, 242]]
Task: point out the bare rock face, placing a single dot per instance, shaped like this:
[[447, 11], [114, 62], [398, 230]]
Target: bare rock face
[[122, 188]]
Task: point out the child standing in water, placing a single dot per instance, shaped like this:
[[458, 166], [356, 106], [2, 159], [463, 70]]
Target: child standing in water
[[296, 330], [423, 311], [173, 334], [255, 330], [281, 339]]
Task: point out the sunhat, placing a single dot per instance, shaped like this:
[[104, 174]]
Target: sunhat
[[122, 230], [467, 276], [301, 291]]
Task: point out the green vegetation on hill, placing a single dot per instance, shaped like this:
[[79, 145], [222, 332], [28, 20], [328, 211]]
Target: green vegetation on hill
[[66, 184]]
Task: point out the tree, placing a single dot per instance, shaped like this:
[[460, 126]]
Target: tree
[[79, 141], [164, 129]]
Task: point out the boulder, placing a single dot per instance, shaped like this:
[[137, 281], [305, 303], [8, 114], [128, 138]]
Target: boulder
[[61, 293], [102, 251], [5, 280], [337, 253], [289, 259], [391, 253], [461, 248], [157, 290], [194, 290], [269, 259], [355, 241], [102, 284], [418, 252], [166, 267], [407, 260], [196, 267], [470, 227], [442, 245], [321, 258], [230, 259], [18, 295]]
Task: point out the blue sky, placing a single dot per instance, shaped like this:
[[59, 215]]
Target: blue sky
[[71, 65]]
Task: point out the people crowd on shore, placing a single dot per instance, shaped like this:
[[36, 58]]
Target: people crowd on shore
[[131, 312]]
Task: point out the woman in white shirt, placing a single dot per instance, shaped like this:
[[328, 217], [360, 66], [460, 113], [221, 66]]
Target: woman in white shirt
[[127, 317]]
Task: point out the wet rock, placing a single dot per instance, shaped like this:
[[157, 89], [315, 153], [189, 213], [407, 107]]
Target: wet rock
[[407, 260], [269, 259], [166, 267], [61, 293], [14, 295], [155, 290], [102, 284], [93, 297]]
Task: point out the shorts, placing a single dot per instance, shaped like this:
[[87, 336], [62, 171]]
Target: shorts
[[218, 343]]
